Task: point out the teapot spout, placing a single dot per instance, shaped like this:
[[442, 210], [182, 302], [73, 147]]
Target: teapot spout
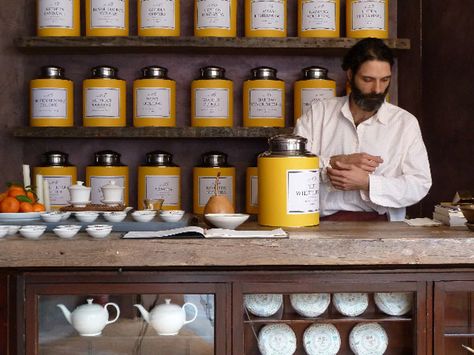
[[144, 312], [66, 312]]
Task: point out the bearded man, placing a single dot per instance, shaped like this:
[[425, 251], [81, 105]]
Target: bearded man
[[373, 159]]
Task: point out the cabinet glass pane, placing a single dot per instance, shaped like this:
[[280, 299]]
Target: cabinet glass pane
[[458, 322], [130, 334]]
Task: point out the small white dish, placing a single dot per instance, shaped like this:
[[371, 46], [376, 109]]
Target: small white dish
[[351, 304], [99, 230], [171, 215], [3, 231], [394, 303], [368, 338], [12, 229], [66, 231], [51, 217], [66, 215], [321, 339], [86, 217], [143, 215], [263, 304], [32, 232], [310, 304], [226, 220], [277, 339], [19, 216], [79, 203], [114, 216], [112, 203]]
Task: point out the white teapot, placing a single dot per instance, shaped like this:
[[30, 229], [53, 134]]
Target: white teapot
[[167, 318], [89, 319]]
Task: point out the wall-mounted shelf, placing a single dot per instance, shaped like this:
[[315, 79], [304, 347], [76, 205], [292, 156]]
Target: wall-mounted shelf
[[148, 132]]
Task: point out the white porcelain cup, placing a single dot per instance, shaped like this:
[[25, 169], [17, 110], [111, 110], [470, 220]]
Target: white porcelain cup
[[112, 192], [79, 192]]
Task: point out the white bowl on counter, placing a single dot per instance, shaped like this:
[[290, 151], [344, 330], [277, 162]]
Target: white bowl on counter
[[171, 215], [66, 231], [51, 217], [143, 215], [98, 230], [3, 231], [66, 215], [12, 229], [86, 217], [114, 216], [226, 220], [32, 232]]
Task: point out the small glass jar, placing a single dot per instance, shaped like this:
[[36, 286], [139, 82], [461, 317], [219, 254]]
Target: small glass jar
[[56, 18], [367, 18], [215, 18], [319, 18], [265, 18], [107, 18], [158, 17]]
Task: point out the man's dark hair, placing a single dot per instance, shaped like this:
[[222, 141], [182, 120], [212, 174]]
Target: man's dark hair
[[365, 50]]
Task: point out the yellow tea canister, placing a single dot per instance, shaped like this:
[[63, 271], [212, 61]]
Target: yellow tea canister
[[158, 17], [154, 99], [107, 18], [288, 184], [160, 178], [319, 18], [265, 18], [264, 99], [212, 103], [56, 18], [367, 18], [314, 86], [51, 99], [251, 201], [106, 167], [215, 18], [204, 180], [60, 174]]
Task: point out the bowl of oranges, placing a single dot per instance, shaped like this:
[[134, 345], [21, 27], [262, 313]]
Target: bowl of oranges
[[19, 203]]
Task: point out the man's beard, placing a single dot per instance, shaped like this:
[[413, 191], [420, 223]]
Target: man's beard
[[367, 102]]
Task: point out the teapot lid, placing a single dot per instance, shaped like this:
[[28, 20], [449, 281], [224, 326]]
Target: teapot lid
[[79, 186], [112, 185], [89, 306]]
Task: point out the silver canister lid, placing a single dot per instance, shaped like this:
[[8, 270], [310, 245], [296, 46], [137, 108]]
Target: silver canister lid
[[315, 72], [212, 72], [287, 145], [214, 159], [55, 158], [52, 72], [154, 72], [159, 158], [264, 73], [104, 72], [107, 158]]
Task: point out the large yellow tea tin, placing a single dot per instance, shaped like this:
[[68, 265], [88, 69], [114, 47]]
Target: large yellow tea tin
[[314, 86], [204, 177], [103, 96], [51, 99], [154, 99], [264, 99], [160, 178], [215, 18], [367, 18], [107, 166], [107, 18], [251, 200], [288, 184], [158, 17], [319, 18], [265, 18], [60, 174], [56, 18], [212, 103]]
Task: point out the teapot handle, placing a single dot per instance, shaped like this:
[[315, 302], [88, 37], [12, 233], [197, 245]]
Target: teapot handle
[[195, 312], [118, 311]]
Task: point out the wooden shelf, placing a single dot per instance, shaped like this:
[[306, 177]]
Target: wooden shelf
[[148, 132], [291, 318], [290, 45], [459, 332]]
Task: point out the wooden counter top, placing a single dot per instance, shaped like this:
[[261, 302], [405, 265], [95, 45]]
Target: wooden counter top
[[330, 244]]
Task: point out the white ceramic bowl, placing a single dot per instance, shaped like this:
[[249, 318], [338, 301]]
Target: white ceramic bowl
[[143, 215], [66, 231], [3, 231], [98, 230], [51, 217], [368, 338], [321, 339], [12, 229], [263, 304], [65, 215], [351, 304], [86, 217], [394, 303], [226, 220], [310, 304], [171, 215], [116, 216], [277, 339], [32, 232]]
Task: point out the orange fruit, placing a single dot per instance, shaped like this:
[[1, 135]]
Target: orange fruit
[[9, 205], [26, 207], [31, 195], [14, 191], [38, 207], [3, 195]]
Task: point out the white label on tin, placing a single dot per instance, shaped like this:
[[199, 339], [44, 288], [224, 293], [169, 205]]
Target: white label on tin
[[212, 103], [58, 189], [49, 103], [98, 181], [309, 96], [265, 103], [318, 15], [163, 186], [102, 102], [55, 13], [213, 14], [302, 191], [153, 102], [158, 14], [107, 14], [267, 15], [254, 191], [206, 188], [368, 15]]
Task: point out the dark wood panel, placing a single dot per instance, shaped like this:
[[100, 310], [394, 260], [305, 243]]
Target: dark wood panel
[[4, 314]]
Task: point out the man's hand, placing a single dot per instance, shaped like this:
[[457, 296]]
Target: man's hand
[[363, 161], [348, 177]]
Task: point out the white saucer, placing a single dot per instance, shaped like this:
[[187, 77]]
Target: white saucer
[[310, 304], [112, 203], [277, 339], [263, 304], [368, 338], [394, 303], [351, 304], [79, 203], [321, 339]]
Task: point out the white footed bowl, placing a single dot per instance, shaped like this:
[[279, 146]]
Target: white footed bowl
[[226, 220], [32, 232], [66, 231], [12, 229], [98, 230], [171, 215], [51, 217], [115, 217], [143, 215], [86, 217], [3, 231]]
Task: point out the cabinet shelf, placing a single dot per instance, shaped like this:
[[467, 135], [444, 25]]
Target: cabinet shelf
[[292, 318], [459, 332], [148, 132]]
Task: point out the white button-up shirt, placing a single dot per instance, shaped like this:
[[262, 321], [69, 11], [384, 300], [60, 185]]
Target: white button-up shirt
[[402, 179]]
